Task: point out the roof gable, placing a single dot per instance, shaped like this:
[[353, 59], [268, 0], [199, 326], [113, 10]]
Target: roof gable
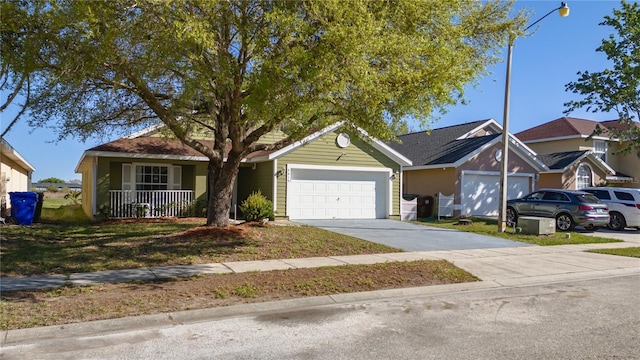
[[568, 127], [561, 161], [7, 151], [425, 147], [142, 146], [375, 143], [616, 125], [421, 151]]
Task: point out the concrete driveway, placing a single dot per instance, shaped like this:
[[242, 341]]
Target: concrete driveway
[[411, 237], [628, 235]]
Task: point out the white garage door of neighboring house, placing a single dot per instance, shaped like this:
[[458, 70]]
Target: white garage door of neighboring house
[[336, 194], [481, 192]]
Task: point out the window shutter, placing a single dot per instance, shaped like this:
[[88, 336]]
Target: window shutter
[[127, 177], [176, 178]]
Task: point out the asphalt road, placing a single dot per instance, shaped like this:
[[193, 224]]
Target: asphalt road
[[589, 319]]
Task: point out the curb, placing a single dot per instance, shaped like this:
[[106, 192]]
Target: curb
[[104, 327]]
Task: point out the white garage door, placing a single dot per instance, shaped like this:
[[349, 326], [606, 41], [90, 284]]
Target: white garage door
[[330, 194], [481, 192]]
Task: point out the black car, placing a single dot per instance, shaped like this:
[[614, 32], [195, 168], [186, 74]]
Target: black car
[[568, 207]]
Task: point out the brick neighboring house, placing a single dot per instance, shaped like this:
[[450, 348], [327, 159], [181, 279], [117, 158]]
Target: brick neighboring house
[[567, 139]]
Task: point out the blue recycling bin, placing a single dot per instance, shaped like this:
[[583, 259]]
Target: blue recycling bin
[[23, 206]]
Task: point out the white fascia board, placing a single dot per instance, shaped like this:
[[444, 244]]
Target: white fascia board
[[145, 131], [340, 168], [428, 167], [11, 153], [601, 164], [142, 156], [492, 173], [490, 122], [620, 178], [84, 154], [386, 150], [524, 151], [377, 144], [555, 171], [289, 148], [569, 137], [477, 151], [529, 156]]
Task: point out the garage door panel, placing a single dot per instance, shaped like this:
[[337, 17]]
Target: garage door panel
[[481, 192], [361, 197]]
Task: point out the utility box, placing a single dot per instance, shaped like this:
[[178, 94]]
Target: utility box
[[531, 225]]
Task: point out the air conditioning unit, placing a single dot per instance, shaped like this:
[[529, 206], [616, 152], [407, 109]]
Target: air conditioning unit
[[532, 225]]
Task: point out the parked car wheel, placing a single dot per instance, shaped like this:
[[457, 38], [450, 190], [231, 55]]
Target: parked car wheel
[[564, 222], [512, 216], [617, 221]]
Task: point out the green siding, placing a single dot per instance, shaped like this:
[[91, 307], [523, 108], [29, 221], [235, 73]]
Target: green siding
[[251, 180], [325, 152], [322, 152], [109, 176]]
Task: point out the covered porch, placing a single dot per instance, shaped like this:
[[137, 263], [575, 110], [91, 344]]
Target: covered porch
[[150, 203]]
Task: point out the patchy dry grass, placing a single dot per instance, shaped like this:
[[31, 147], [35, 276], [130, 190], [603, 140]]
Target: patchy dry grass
[[65, 249]]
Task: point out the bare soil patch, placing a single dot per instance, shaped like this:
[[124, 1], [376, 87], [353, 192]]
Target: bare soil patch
[[20, 309], [114, 244]]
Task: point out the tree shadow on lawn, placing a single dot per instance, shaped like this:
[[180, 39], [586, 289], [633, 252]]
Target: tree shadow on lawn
[[115, 246]]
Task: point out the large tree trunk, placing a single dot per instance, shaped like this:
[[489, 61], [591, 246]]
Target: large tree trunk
[[221, 178]]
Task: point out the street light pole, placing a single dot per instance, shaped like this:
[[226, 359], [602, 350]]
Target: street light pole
[[563, 11]]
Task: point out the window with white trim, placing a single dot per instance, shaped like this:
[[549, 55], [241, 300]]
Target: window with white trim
[[600, 149], [151, 177], [583, 177]]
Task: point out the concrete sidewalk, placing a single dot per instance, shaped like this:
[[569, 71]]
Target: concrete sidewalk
[[506, 266]]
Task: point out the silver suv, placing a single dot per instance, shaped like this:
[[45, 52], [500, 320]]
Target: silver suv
[[624, 205]]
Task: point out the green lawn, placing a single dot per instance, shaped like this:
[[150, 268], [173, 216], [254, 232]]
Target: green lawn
[[490, 228], [631, 251], [63, 248], [55, 203]]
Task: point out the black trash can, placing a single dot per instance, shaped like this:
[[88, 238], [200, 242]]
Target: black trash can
[[38, 213], [425, 207], [23, 206]]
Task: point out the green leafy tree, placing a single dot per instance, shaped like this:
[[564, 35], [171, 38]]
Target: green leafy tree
[[615, 89], [52, 180], [241, 68]]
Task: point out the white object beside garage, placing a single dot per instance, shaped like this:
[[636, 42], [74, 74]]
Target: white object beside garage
[[337, 193], [481, 191]]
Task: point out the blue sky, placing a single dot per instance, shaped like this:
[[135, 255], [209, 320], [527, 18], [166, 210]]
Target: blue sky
[[542, 64]]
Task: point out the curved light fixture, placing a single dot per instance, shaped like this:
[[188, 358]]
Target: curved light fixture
[[564, 9]]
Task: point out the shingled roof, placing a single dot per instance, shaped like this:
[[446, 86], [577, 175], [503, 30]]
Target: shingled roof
[[561, 160], [564, 127], [149, 146], [440, 146]]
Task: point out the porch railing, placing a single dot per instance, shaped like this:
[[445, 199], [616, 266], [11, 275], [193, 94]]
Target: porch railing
[[149, 203]]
